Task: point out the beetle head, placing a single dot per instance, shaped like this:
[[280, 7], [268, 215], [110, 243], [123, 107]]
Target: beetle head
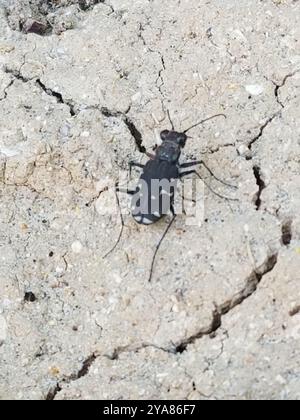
[[174, 137]]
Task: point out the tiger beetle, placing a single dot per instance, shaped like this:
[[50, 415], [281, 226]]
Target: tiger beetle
[[153, 197]]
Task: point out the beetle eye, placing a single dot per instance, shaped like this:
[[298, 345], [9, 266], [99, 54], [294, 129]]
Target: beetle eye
[[164, 134], [182, 140]]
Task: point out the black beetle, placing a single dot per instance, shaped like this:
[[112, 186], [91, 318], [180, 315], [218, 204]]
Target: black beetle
[[154, 195]]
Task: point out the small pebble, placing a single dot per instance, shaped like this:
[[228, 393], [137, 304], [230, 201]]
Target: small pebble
[[244, 151], [77, 247], [85, 134], [3, 330], [254, 90], [35, 27]]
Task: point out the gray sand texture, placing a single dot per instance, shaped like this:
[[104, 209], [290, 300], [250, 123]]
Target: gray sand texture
[[85, 86]]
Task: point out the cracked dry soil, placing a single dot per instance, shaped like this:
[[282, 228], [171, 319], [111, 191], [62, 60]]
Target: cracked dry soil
[[84, 88]]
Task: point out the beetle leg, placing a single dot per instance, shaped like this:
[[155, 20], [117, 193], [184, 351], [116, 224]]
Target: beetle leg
[[150, 155], [160, 242], [172, 210], [129, 192], [189, 164], [133, 164], [186, 173], [200, 162], [121, 230]]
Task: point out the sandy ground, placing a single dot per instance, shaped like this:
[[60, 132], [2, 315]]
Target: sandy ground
[[78, 100]]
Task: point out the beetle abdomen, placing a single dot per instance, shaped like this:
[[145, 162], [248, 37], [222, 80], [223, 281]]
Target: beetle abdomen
[[147, 219], [155, 192]]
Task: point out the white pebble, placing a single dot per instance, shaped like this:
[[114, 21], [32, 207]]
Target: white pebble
[[280, 379], [85, 134], [244, 150], [254, 90], [77, 247], [9, 152], [136, 97], [246, 228], [3, 330]]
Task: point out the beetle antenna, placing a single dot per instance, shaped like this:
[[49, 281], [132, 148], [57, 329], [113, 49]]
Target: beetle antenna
[[203, 121], [170, 119]]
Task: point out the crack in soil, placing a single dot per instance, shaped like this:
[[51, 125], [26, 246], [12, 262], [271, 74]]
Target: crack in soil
[[90, 360], [5, 92], [136, 134], [129, 349], [140, 34], [278, 113], [287, 234], [134, 131], [261, 131], [58, 96], [160, 75], [87, 364], [250, 288], [16, 74], [261, 186], [281, 85], [53, 392], [83, 371]]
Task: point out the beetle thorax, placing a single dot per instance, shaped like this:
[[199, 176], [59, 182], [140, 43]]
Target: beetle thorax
[[169, 151]]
